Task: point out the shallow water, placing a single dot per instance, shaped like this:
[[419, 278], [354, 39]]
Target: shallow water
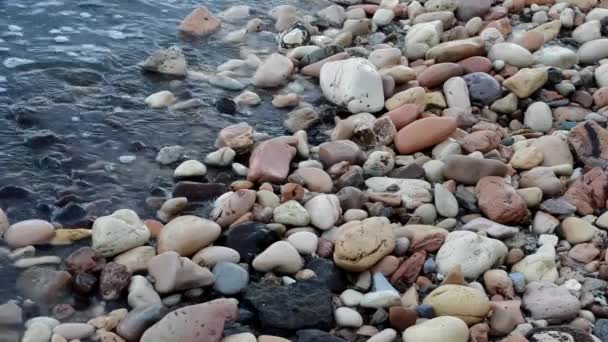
[[72, 103]]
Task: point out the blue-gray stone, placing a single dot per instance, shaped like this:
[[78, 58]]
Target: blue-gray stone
[[425, 311], [229, 278], [519, 281], [429, 266]]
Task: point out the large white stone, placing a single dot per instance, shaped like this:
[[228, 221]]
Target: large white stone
[[324, 211], [587, 32], [354, 83], [512, 54], [556, 56], [119, 232], [593, 51], [538, 116], [474, 253]]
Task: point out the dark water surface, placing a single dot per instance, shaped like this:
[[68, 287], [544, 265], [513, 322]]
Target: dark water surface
[[72, 103]]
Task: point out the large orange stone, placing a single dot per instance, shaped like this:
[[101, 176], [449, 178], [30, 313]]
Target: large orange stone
[[424, 133], [435, 75]]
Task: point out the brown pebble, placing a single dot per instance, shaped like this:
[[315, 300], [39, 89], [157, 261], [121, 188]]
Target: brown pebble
[[292, 191], [401, 318], [515, 255], [325, 248]]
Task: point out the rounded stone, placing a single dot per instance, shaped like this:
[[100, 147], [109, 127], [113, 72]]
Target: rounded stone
[[539, 117], [483, 88], [361, 244], [29, 232], [230, 278], [576, 230], [348, 318], [440, 329], [474, 253], [424, 133], [187, 235], [466, 303]]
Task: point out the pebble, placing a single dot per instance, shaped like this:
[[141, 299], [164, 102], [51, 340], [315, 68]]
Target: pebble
[[304, 242], [160, 99], [190, 168], [230, 278], [410, 138], [29, 232], [362, 74], [347, 317], [179, 324], [281, 256], [539, 117], [550, 302], [360, 244], [512, 54], [576, 230], [459, 301], [187, 235], [445, 202], [141, 293], [440, 329], [222, 157], [184, 274], [474, 253], [119, 232]]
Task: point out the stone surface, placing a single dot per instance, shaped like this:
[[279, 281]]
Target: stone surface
[[324, 211], [280, 257], [201, 321], [354, 83], [303, 304], [360, 244], [526, 81], [200, 22], [466, 303], [269, 161], [119, 232], [274, 71], [173, 273], [474, 253], [468, 170], [550, 302], [500, 202], [423, 133], [589, 140], [440, 329], [187, 235], [29, 232]]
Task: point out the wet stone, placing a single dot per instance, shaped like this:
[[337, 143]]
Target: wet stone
[[300, 305]]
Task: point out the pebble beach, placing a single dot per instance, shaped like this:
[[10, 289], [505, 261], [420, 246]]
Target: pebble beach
[[360, 170]]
